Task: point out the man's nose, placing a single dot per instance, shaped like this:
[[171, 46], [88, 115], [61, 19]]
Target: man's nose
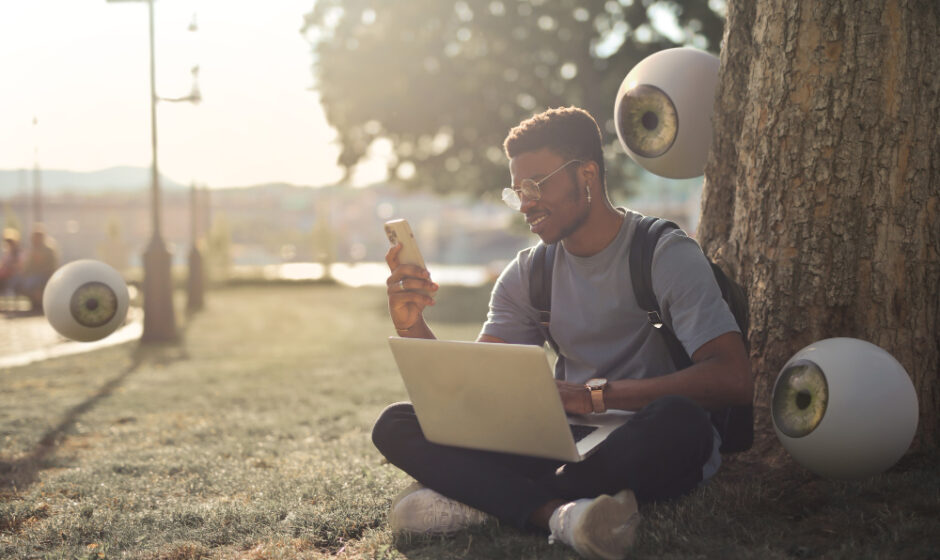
[[525, 203]]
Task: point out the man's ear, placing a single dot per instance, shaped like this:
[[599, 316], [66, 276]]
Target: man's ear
[[589, 171]]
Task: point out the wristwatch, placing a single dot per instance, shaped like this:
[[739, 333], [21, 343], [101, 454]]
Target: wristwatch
[[596, 387]]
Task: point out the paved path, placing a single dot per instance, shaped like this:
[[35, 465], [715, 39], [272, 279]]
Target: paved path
[[25, 339]]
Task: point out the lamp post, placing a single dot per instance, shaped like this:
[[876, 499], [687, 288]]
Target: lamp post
[[37, 178], [195, 286], [159, 315]]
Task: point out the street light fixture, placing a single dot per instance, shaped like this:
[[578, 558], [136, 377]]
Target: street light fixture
[[159, 315]]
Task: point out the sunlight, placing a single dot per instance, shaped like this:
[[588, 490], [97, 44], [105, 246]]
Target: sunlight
[[366, 273], [84, 75]]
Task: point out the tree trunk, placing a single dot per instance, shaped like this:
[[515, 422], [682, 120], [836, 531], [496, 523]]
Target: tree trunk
[[822, 189]]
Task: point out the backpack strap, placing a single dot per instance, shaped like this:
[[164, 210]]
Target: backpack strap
[[735, 424], [540, 288], [648, 231]]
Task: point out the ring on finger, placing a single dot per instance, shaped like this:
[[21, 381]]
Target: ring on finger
[[401, 284]]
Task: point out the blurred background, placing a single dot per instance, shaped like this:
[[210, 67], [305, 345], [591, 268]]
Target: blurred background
[[290, 130]]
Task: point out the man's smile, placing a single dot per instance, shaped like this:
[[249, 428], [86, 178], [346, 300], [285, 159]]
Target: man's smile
[[534, 220]]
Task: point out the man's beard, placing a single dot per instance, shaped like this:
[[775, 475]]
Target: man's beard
[[581, 218]]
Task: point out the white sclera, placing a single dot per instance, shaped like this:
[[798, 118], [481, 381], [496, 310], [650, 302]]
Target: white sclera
[[57, 298], [688, 77], [871, 415]]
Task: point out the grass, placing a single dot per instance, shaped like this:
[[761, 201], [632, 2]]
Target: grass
[[250, 439]]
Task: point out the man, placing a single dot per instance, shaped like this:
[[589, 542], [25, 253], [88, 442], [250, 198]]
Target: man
[[9, 259], [39, 263], [667, 449]]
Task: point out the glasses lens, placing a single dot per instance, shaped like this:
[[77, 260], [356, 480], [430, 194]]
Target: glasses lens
[[530, 189], [511, 199]]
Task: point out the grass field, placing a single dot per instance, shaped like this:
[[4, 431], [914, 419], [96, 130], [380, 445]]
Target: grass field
[[250, 439]]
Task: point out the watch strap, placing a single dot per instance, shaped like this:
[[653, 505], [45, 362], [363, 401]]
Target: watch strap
[[597, 399]]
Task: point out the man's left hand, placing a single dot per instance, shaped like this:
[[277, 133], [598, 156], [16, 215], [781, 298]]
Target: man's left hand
[[575, 398]]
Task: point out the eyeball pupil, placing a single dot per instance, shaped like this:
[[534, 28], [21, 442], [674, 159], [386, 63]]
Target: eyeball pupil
[[800, 399], [93, 304], [647, 122], [803, 399]]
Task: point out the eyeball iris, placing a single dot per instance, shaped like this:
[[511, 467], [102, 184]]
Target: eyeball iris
[[93, 304], [648, 121], [800, 397]]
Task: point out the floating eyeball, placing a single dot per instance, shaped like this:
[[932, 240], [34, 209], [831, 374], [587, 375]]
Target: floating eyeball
[[85, 300], [663, 111], [844, 408]]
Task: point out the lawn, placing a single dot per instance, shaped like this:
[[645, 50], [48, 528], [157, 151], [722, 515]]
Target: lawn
[[250, 439]]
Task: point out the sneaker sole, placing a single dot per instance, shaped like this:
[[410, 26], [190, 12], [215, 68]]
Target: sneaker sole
[[598, 537], [411, 521]]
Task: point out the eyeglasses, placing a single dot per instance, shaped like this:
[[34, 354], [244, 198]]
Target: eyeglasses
[[529, 188]]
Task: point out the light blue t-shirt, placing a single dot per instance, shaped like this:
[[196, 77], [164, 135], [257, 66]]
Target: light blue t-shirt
[[600, 329]]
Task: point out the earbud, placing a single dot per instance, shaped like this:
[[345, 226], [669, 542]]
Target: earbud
[[587, 190]]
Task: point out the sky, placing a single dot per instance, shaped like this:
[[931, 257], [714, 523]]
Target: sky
[[81, 69]]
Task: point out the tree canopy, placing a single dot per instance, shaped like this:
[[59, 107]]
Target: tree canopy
[[443, 81]]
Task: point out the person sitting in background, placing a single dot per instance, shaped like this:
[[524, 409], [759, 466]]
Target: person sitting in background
[[40, 262], [9, 259]]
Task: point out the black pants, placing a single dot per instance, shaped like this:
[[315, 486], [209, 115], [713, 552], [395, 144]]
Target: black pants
[[658, 454]]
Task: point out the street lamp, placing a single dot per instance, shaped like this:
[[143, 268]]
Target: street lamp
[[159, 316], [37, 177], [195, 286]]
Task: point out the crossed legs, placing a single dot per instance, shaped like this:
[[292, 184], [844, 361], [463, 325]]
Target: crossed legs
[[659, 455]]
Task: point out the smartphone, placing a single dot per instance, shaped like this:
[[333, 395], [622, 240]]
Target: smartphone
[[398, 231]]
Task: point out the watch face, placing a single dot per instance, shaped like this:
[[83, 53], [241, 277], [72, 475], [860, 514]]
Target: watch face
[[596, 383]]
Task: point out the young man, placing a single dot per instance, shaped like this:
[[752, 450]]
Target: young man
[[667, 449], [39, 263]]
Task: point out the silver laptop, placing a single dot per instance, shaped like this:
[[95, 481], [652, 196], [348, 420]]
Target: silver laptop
[[495, 397]]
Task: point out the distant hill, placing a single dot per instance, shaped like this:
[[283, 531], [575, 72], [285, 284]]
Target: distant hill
[[53, 181]]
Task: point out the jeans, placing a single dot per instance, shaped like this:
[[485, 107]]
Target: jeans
[[658, 454]]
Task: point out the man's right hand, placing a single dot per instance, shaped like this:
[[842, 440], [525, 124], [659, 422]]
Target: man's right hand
[[406, 291]]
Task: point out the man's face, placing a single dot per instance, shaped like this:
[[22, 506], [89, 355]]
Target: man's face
[[563, 206]]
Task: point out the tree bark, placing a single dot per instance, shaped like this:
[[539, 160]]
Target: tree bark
[[822, 189]]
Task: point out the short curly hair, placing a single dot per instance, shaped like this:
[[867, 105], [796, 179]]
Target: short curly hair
[[570, 131]]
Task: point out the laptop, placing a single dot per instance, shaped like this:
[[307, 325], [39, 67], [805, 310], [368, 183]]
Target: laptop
[[495, 397]]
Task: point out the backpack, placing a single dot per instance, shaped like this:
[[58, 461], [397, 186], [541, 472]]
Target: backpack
[[735, 424]]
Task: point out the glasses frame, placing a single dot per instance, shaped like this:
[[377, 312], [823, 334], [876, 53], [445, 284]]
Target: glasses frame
[[530, 188]]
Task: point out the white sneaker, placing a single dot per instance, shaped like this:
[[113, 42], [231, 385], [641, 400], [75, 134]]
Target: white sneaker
[[603, 527], [417, 509]]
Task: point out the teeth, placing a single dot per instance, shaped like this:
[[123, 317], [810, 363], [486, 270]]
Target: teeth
[[537, 221]]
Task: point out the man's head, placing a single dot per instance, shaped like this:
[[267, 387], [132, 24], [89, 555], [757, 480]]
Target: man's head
[[568, 131], [38, 237], [556, 163]]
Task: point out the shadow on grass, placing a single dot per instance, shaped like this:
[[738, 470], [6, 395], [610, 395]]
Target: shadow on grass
[[18, 474]]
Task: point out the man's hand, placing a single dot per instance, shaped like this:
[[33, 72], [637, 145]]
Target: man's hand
[[575, 398], [405, 302]]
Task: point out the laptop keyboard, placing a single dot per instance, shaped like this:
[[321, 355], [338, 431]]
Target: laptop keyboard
[[580, 431]]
